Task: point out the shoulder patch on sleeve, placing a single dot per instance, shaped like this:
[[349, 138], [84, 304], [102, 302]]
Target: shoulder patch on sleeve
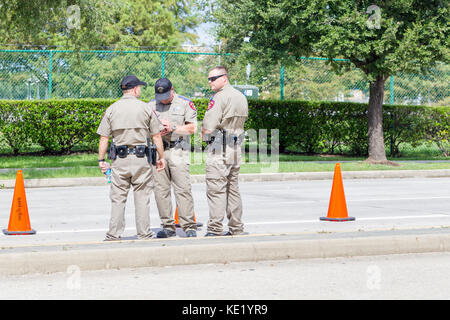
[[211, 103], [191, 104]]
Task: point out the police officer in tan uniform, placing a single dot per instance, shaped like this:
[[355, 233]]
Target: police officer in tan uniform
[[178, 117], [223, 131], [130, 122]]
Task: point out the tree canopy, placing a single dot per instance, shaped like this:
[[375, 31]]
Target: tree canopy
[[379, 37], [85, 24]]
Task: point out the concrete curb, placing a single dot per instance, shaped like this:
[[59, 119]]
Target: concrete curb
[[248, 177], [120, 256]]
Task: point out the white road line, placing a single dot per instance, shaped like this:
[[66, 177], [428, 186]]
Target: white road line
[[357, 219], [399, 199], [353, 200]]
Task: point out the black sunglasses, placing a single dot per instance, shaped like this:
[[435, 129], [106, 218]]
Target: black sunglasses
[[212, 79]]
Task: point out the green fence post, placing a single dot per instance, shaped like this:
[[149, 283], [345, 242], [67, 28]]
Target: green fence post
[[50, 67], [392, 89], [163, 65], [282, 83]]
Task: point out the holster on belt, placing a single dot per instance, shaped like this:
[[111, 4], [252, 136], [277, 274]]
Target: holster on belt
[[168, 144], [224, 142], [150, 152], [215, 141], [112, 155], [179, 143]]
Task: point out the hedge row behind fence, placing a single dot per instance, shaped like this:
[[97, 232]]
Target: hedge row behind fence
[[310, 127]]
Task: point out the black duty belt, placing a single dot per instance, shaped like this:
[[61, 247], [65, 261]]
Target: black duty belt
[[138, 151], [169, 145], [132, 150], [231, 140]]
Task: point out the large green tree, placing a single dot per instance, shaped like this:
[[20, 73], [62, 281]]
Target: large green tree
[[87, 24], [69, 24], [152, 23], [379, 37]]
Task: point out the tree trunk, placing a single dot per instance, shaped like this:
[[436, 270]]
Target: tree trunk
[[377, 152]]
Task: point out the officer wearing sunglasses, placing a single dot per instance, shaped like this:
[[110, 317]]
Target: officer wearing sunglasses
[[222, 127]]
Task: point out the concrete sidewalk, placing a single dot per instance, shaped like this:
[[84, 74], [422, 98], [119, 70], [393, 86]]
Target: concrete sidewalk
[[58, 257]]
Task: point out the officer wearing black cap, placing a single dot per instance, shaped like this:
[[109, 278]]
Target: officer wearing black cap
[[130, 122], [178, 117]]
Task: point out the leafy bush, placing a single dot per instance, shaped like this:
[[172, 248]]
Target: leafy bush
[[60, 126], [437, 129], [12, 125], [56, 125], [327, 127]]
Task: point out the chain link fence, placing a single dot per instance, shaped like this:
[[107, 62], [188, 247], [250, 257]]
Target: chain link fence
[[313, 79], [45, 74]]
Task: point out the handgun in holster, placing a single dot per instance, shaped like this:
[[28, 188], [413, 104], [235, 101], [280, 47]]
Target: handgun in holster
[[215, 140], [151, 152], [224, 142], [112, 154], [183, 143]]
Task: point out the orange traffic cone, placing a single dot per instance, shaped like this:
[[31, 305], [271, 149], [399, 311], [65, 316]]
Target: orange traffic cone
[[177, 221], [19, 221], [337, 209]]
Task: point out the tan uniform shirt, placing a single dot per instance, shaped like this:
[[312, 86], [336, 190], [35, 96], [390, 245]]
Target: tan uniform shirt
[[178, 112], [129, 121], [227, 109]]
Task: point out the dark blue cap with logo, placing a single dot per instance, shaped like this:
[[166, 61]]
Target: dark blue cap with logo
[[131, 81], [162, 89]]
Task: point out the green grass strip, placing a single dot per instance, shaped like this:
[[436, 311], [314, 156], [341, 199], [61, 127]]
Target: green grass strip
[[285, 166]]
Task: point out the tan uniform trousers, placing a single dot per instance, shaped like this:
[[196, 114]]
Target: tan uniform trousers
[[222, 191], [126, 172], [176, 174]]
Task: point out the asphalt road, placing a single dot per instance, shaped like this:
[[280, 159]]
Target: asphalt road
[[407, 276], [82, 213]]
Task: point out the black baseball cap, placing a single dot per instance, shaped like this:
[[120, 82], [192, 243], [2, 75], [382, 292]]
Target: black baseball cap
[[131, 81], [162, 89]]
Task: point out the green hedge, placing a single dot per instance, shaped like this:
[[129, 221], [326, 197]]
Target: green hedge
[[328, 127], [57, 126]]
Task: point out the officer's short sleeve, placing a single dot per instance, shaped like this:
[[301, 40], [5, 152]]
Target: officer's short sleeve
[[191, 113], [104, 129], [213, 115], [155, 126]]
